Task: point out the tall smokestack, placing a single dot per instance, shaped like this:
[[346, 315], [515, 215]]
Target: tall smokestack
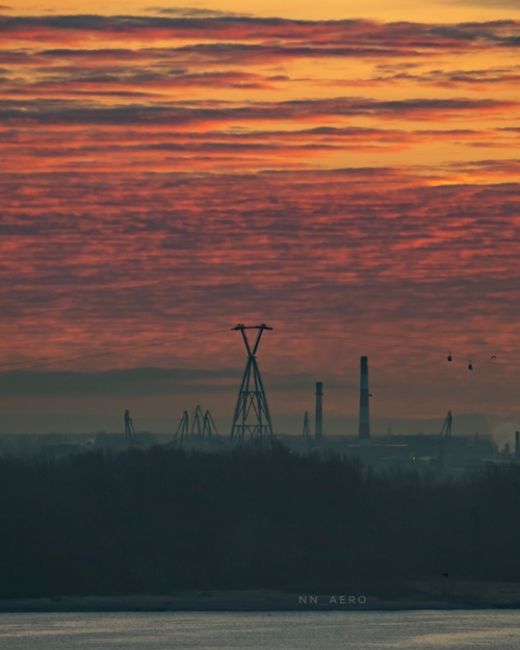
[[517, 444], [364, 416], [319, 410]]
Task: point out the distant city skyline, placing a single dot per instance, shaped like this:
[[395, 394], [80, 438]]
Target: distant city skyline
[[93, 402]]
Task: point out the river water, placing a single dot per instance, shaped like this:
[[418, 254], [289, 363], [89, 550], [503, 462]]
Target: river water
[[457, 630]]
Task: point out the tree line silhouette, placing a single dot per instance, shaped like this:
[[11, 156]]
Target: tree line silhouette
[[163, 520]]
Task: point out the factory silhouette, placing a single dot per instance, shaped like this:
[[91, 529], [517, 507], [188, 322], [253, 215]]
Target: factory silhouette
[[252, 425]]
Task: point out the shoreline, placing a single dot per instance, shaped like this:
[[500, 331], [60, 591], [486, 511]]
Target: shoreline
[[493, 596]]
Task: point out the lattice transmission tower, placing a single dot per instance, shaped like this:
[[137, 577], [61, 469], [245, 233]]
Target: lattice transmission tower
[[252, 417]]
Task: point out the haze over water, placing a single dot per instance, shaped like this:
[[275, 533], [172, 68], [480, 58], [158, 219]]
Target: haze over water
[[457, 630]]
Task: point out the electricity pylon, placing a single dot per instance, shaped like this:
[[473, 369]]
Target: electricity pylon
[[252, 413]]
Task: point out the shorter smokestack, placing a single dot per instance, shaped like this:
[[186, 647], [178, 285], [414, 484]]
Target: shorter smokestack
[[517, 444], [364, 416], [319, 410]]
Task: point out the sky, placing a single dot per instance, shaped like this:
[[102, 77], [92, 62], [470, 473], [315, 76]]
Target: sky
[[346, 172]]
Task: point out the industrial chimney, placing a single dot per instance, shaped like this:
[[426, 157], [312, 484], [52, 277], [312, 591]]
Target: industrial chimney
[[364, 416], [319, 411]]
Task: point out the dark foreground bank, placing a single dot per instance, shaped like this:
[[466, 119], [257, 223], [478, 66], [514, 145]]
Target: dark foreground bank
[[164, 521]]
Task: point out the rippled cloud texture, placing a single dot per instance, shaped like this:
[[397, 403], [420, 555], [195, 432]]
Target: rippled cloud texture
[[168, 172]]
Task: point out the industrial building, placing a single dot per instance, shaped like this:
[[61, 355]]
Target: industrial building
[[442, 453]]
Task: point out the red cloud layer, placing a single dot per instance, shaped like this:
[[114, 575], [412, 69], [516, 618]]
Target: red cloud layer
[[119, 225], [369, 260]]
